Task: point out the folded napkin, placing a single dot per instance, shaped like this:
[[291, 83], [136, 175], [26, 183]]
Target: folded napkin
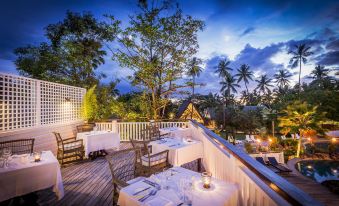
[[159, 201], [164, 197]]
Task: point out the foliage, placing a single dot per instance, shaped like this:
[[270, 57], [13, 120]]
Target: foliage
[[264, 84], [194, 70], [73, 51], [106, 95], [248, 148], [244, 74], [156, 45], [300, 118], [90, 105]]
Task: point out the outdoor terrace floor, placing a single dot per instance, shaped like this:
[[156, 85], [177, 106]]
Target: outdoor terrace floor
[[87, 183]]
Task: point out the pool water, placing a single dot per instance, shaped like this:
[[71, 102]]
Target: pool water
[[319, 170]]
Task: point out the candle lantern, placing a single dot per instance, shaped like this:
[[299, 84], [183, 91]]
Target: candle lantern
[[37, 156], [206, 179]]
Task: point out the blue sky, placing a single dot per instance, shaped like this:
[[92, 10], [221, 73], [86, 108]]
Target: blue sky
[[258, 33]]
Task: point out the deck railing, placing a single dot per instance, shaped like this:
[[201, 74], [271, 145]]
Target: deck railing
[[133, 130], [258, 184]]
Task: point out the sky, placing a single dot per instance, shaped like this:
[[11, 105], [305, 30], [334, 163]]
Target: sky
[[257, 33]]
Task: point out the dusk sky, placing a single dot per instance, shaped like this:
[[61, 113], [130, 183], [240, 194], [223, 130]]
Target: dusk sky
[[257, 33]]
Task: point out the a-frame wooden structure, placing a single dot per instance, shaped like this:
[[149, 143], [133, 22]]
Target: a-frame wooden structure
[[188, 110]]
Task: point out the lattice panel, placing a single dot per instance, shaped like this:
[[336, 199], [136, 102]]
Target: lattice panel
[[26, 102], [60, 103], [17, 102]]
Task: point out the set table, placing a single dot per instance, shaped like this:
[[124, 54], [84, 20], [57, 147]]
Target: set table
[[23, 177], [176, 131], [220, 193], [181, 150], [99, 140]]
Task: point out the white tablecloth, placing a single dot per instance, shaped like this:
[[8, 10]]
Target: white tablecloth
[[180, 151], [220, 193], [99, 140], [176, 131], [23, 178]]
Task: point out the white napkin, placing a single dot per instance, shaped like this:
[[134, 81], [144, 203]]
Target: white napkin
[[159, 201]]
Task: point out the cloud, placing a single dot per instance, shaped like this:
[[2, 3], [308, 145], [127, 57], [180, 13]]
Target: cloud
[[329, 58], [247, 31]]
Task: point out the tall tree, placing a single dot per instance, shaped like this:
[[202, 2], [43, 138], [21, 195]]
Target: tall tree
[[244, 74], [264, 84], [194, 70], [319, 73], [300, 54], [282, 78], [156, 45], [73, 52], [223, 68], [229, 85], [300, 118]]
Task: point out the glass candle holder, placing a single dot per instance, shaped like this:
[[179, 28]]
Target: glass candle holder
[[37, 156], [206, 179]]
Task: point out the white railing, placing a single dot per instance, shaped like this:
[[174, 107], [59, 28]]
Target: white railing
[[133, 130], [258, 184]]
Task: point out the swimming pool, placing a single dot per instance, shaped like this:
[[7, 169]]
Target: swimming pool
[[319, 170]]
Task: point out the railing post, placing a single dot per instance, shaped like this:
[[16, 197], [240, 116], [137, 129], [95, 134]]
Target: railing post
[[38, 103], [114, 126]]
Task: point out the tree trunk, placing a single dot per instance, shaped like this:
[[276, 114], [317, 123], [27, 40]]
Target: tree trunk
[[246, 88], [299, 78], [192, 96], [299, 145]]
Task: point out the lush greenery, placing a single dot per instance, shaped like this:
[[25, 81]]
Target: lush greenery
[[159, 45]]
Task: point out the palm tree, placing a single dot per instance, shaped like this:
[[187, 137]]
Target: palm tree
[[194, 71], [223, 68], [319, 73], [300, 55], [264, 84], [282, 78], [244, 74], [229, 85]]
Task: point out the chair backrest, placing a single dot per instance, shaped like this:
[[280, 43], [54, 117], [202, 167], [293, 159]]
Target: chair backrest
[[85, 128], [261, 160], [123, 165], [20, 146], [273, 161], [58, 139], [141, 145]]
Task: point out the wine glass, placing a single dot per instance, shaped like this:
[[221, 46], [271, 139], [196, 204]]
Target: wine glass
[[2, 159], [6, 153], [167, 175]]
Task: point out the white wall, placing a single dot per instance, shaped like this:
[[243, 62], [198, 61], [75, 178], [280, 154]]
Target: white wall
[[44, 138]]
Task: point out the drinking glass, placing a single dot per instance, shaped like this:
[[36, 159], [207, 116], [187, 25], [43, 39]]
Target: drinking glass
[[167, 177], [6, 153], [2, 159]]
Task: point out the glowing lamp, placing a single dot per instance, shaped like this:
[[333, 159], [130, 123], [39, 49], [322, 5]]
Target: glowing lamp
[[270, 140], [206, 179], [37, 156], [334, 139], [258, 140]]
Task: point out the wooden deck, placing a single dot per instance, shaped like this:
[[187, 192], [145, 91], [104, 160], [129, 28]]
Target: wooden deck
[[314, 189], [87, 183]]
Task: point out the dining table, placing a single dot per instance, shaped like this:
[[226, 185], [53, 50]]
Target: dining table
[[23, 175], [99, 140], [181, 150], [176, 131], [168, 190]]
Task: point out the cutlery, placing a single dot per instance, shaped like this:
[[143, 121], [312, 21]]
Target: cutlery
[[157, 186], [141, 191], [152, 193]]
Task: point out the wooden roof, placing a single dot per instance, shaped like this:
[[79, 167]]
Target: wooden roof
[[188, 110]]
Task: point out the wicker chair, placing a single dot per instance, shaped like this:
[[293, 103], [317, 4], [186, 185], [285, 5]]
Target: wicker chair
[[69, 150], [147, 162], [152, 133], [123, 168], [85, 128], [20, 146]]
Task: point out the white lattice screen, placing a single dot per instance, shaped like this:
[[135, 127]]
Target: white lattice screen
[[26, 102]]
